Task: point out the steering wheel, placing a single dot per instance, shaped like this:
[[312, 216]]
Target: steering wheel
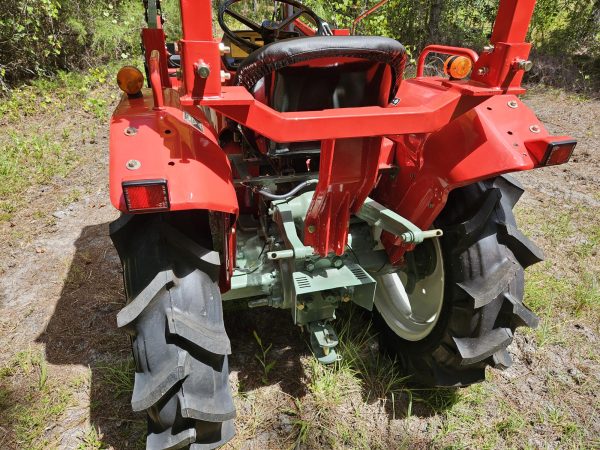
[[269, 30]]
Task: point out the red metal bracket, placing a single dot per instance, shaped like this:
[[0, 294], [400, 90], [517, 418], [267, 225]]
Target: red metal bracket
[[493, 138], [347, 173], [155, 80]]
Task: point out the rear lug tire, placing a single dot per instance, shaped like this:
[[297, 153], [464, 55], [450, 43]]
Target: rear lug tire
[[175, 319], [484, 260]]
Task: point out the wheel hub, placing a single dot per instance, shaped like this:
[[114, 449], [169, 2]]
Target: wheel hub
[[410, 299]]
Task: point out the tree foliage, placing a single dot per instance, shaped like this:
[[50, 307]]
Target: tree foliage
[[558, 26], [565, 33], [41, 36]]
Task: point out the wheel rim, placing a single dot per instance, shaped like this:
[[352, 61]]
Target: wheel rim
[[412, 315]]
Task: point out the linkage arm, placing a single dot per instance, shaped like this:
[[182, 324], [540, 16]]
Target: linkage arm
[[377, 215]]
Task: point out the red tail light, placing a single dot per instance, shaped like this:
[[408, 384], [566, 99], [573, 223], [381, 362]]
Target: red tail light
[[551, 150], [146, 195], [558, 153]]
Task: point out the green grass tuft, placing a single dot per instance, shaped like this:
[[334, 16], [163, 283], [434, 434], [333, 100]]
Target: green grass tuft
[[118, 376]]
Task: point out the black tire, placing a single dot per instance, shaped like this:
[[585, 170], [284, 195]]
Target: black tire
[[175, 319], [484, 260]]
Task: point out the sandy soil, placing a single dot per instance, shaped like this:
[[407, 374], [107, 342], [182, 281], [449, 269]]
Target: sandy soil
[[61, 289]]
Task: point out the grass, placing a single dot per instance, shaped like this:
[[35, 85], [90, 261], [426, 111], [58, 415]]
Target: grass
[[27, 161], [331, 385], [361, 400], [36, 407], [91, 440], [365, 379], [263, 358], [38, 154], [568, 281], [118, 377]]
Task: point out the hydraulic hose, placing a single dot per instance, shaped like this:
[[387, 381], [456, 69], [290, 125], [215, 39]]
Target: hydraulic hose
[[289, 194]]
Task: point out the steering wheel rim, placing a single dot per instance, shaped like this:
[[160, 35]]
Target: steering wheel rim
[[299, 10]]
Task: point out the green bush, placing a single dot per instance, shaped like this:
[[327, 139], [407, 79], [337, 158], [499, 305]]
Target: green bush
[[41, 36], [565, 33]]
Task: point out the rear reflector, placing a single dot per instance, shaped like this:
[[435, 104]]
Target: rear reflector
[[146, 195], [558, 152]]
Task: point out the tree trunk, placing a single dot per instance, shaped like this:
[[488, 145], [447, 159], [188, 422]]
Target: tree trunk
[[435, 15]]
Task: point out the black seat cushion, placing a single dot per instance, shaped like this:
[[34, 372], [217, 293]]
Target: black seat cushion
[[349, 71]]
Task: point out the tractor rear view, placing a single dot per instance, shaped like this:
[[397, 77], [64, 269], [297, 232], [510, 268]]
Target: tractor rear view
[[290, 165]]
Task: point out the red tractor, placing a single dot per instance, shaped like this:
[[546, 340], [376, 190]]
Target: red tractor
[[291, 165]]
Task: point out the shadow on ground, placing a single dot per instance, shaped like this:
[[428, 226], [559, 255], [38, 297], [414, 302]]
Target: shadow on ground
[[82, 331], [274, 328]]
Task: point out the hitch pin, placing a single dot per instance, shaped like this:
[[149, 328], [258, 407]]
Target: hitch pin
[[416, 237], [280, 254]]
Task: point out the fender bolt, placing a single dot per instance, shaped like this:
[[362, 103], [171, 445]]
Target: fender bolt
[[224, 49], [202, 69], [225, 76], [523, 65], [133, 164]]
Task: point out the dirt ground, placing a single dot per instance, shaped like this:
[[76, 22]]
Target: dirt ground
[[65, 369]]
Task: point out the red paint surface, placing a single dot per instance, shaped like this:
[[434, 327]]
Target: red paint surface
[[441, 135]]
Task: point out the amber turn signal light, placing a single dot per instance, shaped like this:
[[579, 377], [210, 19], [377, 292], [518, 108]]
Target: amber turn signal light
[[458, 67], [130, 80]]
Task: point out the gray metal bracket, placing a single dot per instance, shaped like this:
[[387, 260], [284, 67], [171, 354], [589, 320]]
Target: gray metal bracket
[[323, 341], [283, 215], [317, 294], [379, 216], [348, 276]]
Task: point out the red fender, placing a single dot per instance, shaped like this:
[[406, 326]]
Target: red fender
[[498, 136], [149, 144]]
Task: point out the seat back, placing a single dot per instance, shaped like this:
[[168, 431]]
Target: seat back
[[322, 72]]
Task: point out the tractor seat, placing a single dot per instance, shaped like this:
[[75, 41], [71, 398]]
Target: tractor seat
[[321, 72]]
